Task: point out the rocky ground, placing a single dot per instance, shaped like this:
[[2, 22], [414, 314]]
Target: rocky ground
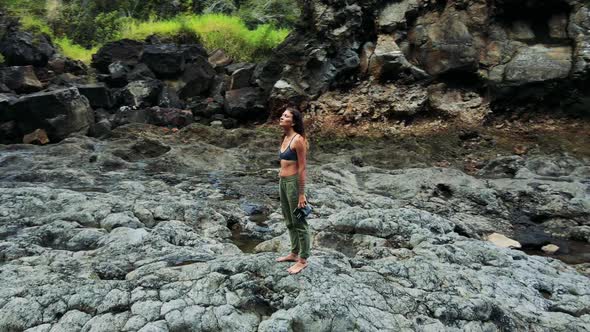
[[139, 232]]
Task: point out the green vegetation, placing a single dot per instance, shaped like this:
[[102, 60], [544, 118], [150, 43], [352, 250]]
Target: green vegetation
[[215, 31], [35, 25], [247, 29], [74, 51], [279, 13]]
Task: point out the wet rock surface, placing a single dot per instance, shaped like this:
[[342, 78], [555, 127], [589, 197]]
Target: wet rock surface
[[135, 233]]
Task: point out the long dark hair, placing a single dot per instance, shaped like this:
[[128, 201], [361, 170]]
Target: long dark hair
[[298, 123]]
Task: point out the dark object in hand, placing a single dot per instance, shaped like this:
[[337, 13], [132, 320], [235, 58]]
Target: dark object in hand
[[301, 213]]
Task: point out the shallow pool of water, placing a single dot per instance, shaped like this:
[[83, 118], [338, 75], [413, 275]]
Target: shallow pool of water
[[570, 252]]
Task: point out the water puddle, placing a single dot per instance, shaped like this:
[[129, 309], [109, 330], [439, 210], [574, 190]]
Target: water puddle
[[244, 241], [259, 219], [570, 252], [532, 237]]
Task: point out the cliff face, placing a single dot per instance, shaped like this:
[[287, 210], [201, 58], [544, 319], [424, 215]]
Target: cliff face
[[505, 50]]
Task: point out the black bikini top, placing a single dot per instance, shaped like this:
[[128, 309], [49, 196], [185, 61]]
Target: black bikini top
[[288, 154]]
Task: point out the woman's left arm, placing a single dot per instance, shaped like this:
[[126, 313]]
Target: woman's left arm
[[301, 149]]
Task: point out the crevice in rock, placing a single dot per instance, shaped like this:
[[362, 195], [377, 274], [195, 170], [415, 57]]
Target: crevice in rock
[[578, 313], [539, 219], [461, 79], [461, 231], [534, 16], [546, 294], [443, 190], [119, 309]]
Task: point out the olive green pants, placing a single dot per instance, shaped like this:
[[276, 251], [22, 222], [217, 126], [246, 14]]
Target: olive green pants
[[298, 230]]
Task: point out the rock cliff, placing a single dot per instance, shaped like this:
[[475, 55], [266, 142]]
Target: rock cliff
[[510, 53]]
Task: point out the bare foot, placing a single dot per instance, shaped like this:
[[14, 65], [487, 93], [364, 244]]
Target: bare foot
[[289, 258], [300, 265]]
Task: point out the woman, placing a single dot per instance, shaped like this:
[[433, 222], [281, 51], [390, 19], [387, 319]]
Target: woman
[[292, 155]]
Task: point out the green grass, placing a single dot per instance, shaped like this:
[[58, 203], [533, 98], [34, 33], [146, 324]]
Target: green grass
[[215, 31], [74, 51]]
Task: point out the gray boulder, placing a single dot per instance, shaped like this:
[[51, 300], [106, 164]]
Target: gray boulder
[[241, 77]]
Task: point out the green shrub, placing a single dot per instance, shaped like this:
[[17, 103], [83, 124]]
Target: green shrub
[[107, 27], [279, 13], [227, 7], [23, 7], [2, 59], [35, 25]]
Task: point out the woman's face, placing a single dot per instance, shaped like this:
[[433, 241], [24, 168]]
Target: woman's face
[[286, 120]]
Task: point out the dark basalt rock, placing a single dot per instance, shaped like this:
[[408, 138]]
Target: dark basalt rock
[[60, 113], [241, 77], [6, 100], [5, 89], [118, 74], [193, 52], [169, 60], [170, 117], [101, 129], [165, 60], [168, 98], [246, 103], [60, 64], [140, 93], [9, 133], [67, 80], [21, 48], [197, 78], [140, 72], [125, 50], [121, 74], [98, 95], [21, 79]]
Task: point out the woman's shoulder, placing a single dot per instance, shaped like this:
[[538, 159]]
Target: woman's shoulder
[[299, 139]]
